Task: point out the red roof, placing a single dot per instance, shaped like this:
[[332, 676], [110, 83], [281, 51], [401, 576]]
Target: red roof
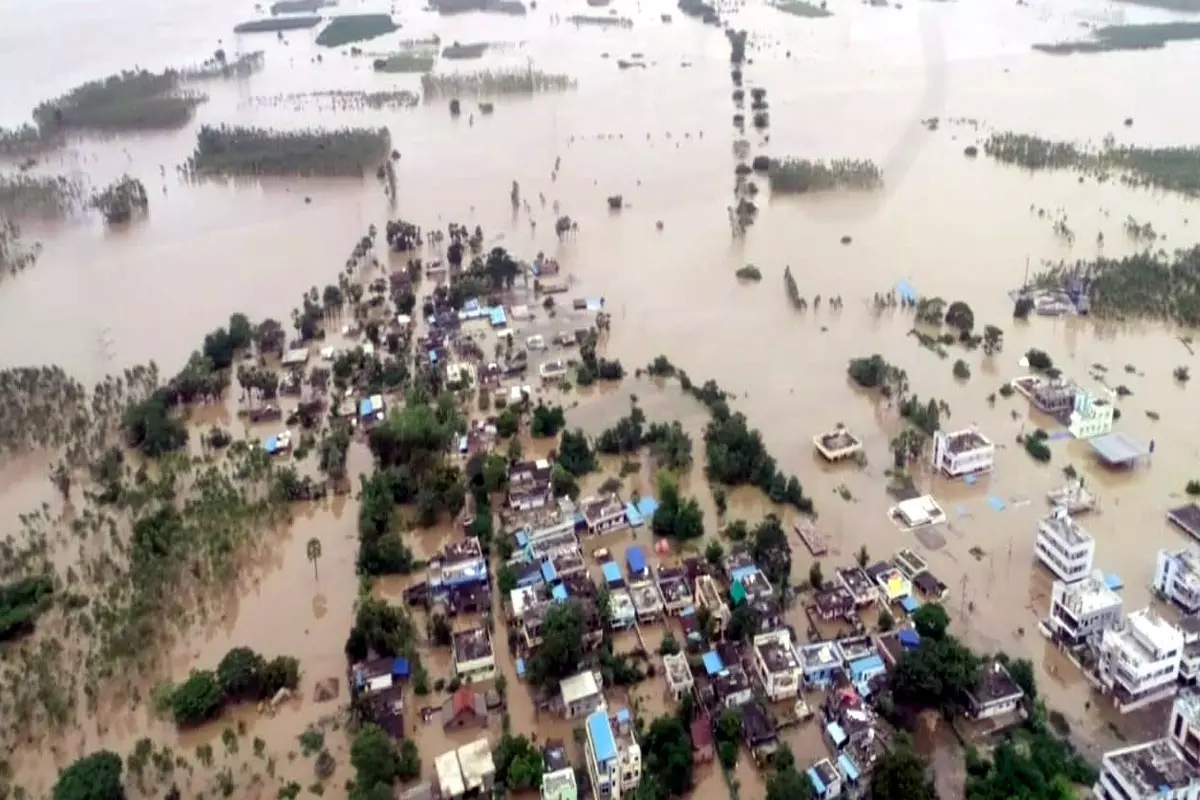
[[464, 700], [701, 733]]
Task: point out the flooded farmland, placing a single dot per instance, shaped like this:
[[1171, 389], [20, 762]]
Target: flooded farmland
[[862, 83]]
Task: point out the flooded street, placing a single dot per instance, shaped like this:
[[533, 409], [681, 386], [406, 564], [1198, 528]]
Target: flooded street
[[855, 85]]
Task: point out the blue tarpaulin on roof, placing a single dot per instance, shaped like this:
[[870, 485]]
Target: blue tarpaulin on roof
[[401, 668], [713, 663], [836, 734], [741, 572], [612, 573], [623, 716], [631, 514], [909, 639], [522, 538], [847, 768], [816, 781], [909, 604], [635, 559], [498, 318], [548, 572], [646, 506], [1113, 581], [866, 667], [520, 668], [559, 593]]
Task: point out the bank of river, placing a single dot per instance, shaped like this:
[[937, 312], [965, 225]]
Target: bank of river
[[962, 229]]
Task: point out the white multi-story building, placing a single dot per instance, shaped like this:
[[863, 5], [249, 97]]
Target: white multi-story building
[[614, 758], [1140, 660], [1064, 547], [1081, 611], [776, 664], [962, 453], [1091, 416], [1164, 769], [1177, 578]]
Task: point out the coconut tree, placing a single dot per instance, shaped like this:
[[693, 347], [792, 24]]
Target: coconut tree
[[314, 553]]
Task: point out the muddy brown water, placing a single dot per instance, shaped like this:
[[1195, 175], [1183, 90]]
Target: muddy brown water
[[856, 85]]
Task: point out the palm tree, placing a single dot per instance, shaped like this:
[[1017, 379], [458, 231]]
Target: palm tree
[[314, 553]]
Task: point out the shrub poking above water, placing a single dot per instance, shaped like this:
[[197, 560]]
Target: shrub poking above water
[[129, 101], [799, 175], [231, 150], [278, 25], [488, 82], [355, 28]]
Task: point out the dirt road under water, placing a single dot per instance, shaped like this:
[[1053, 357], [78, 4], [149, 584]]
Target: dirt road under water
[[855, 85]]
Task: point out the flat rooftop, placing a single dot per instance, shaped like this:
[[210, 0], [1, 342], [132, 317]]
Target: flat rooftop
[[1186, 517], [1059, 523], [819, 655], [1152, 768], [472, 645], [856, 580], [994, 684], [675, 589], [1118, 449], [678, 671], [965, 441], [645, 596], [776, 651], [602, 507], [1087, 596]]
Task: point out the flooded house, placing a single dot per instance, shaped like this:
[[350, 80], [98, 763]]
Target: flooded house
[[474, 656], [820, 665], [1162, 768], [622, 611], [1091, 416], [673, 586], [859, 584], [962, 453], [758, 730], [553, 370], [529, 485], [460, 569], [581, 694], [910, 563], [730, 685], [837, 445], [862, 659], [1054, 397], [478, 769], [930, 587], [646, 600], [464, 708], [893, 644], [834, 603], [614, 759], [917, 512], [893, 585], [635, 562], [565, 562], [749, 583], [558, 781], [767, 613], [372, 410], [678, 676], [825, 779], [386, 709], [775, 663], [1081, 611], [604, 514], [1063, 546], [709, 595], [856, 734], [296, 357], [1177, 578], [995, 695], [1139, 660]]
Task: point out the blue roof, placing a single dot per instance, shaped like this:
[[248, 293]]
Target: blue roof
[[866, 666], [1113, 581], [612, 573], [632, 514], [498, 317], [271, 445], [741, 572], [836, 734], [909, 603], [559, 593], [816, 781], [713, 663], [471, 305], [909, 638], [847, 767], [604, 746], [687, 611], [548, 572], [520, 667], [364, 407], [646, 506], [623, 716], [636, 559], [522, 538], [400, 668]]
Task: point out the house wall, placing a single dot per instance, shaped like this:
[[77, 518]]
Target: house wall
[[820, 678], [480, 669], [631, 767], [584, 706], [608, 524], [957, 465], [1068, 562], [1167, 572], [998, 709]]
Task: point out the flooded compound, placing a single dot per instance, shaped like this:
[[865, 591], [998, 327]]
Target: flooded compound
[[766, 225]]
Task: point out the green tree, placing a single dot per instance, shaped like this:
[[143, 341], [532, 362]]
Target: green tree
[[771, 550], [198, 699], [241, 673], [668, 755], [668, 646], [508, 422], [408, 765], [373, 757], [563, 482], [93, 777], [816, 578], [886, 621], [562, 644], [1021, 671], [314, 553], [789, 784], [935, 675], [575, 454], [960, 317], [900, 774], [519, 763], [931, 621], [993, 339], [495, 472], [546, 421], [714, 553]]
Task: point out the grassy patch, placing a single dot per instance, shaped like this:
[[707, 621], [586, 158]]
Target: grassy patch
[[799, 175], [230, 150], [405, 63], [355, 28], [277, 25], [799, 8], [462, 52], [1126, 37]]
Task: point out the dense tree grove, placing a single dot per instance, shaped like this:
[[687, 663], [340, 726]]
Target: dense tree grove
[[21, 603], [93, 777], [376, 763], [677, 517], [736, 456], [242, 675], [667, 764], [771, 550], [575, 453], [562, 644], [519, 764], [902, 775]]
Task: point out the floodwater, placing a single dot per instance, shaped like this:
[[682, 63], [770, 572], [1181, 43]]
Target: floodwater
[[854, 85]]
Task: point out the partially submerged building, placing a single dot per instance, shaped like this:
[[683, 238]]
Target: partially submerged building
[[1140, 660], [995, 693], [558, 781], [1177, 579], [775, 662], [1064, 547], [529, 485], [859, 584], [673, 586], [582, 694], [604, 514], [837, 445], [1163, 769], [614, 759], [1080, 612], [833, 604], [678, 675], [646, 601], [1091, 416], [710, 596], [962, 453], [474, 657]]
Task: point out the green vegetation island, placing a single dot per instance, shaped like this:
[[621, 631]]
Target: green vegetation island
[[350, 28], [235, 150], [1111, 38]]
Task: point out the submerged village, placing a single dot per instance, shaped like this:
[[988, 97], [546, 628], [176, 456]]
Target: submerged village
[[554, 483]]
